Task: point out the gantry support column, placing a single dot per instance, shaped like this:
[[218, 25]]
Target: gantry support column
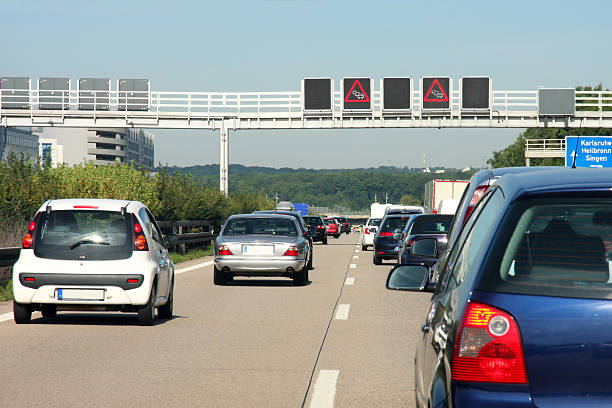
[[224, 160]]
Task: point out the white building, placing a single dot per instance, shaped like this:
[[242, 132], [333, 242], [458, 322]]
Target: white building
[[99, 146]]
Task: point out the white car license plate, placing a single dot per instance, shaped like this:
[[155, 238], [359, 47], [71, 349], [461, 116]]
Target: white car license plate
[[257, 250], [79, 294]]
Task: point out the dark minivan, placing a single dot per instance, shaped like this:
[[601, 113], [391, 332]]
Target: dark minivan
[[520, 316]]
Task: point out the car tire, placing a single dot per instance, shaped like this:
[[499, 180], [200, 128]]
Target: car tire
[[324, 241], [165, 311], [219, 278], [364, 247], [376, 260], [301, 278], [49, 311], [309, 264], [22, 314], [146, 313]]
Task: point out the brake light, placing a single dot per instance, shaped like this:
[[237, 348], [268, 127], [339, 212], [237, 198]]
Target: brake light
[[91, 207], [224, 250], [29, 279], [410, 242], [131, 280], [386, 234], [367, 231], [488, 347], [292, 251], [140, 241], [27, 241], [32, 226], [320, 227]]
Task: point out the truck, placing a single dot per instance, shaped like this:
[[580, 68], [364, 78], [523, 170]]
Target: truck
[[438, 190], [378, 210]]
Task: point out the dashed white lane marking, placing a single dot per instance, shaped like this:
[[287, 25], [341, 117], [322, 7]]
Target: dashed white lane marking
[[6, 316], [355, 256], [349, 281], [343, 312], [193, 267], [353, 266], [325, 389]]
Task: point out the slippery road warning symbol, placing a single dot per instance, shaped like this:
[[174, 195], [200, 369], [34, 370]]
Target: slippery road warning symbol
[[357, 94], [436, 93]]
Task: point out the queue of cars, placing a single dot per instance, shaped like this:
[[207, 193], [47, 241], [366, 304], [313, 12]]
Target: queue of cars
[[520, 307]]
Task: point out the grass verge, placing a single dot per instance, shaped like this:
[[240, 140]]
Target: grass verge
[[192, 254], [6, 292]]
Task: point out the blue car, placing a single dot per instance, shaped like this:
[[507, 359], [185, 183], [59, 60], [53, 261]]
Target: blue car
[[385, 245], [521, 315]]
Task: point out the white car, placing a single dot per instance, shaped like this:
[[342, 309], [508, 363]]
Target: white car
[[89, 254], [369, 232]]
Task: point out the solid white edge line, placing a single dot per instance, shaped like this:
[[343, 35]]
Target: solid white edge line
[[325, 389], [343, 312], [353, 266], [193, 267], [6, 316], [349, 281]]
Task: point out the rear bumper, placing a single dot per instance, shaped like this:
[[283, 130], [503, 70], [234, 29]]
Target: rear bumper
[[491, 396], [243, 266]]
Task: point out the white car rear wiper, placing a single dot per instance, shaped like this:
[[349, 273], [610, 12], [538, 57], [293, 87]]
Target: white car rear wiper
[[88, 241]]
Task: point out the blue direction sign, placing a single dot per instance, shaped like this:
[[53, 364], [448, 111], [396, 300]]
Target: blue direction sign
[[590, 151]]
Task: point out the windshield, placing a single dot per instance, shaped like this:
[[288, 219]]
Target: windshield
[[313, 221], [393, 223], [374, 222], [260, 226], [431, 225], [83, 235], [557, 249]]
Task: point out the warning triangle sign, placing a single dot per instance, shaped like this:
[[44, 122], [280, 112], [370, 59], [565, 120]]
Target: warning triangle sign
[[436, 94], [357, 95]]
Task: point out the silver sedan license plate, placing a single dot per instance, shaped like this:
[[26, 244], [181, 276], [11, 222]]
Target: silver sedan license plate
[[257, 250]]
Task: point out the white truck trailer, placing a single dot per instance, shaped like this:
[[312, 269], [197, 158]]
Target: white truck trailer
[[438, 190]]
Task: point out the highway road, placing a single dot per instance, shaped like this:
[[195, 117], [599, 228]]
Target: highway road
[[341, 341]]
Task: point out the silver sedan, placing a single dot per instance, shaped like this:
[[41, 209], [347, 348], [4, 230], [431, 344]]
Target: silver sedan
[[256, 245]]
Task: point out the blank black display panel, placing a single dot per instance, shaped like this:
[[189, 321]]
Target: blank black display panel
[[475, 93], [317, 94], [396, 93]]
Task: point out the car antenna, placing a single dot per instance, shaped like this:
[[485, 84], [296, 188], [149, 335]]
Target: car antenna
[[577, 141]]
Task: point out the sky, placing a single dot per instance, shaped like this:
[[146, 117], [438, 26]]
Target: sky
[[270, 45]]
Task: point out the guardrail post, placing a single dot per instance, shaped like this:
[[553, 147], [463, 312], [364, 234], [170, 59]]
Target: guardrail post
[[182, 246]]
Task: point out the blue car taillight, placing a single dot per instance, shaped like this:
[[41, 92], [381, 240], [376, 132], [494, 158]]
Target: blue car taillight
[[488, 347]]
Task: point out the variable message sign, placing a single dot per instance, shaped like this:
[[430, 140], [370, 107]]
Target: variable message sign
[[556, 101], [317, 94], [356, 94], [397, 94], [435, 93], [475, 93]]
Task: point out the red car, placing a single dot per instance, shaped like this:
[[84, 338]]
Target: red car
[[332, 227]]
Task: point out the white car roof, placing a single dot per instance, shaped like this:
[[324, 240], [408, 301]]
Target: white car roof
[[91, 203]]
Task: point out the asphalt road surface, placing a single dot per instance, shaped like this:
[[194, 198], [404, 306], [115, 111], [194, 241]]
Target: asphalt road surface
[[341, 341]]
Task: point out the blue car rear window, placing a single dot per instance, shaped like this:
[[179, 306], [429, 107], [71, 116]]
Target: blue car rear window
[[555, 248]]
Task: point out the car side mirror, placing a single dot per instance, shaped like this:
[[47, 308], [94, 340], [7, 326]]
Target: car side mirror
[[424, 247], [412, 277], [171, 239]]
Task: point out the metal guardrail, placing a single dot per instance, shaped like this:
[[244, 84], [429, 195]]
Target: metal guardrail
[[180, 227], [545, 145], [8, 256]]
